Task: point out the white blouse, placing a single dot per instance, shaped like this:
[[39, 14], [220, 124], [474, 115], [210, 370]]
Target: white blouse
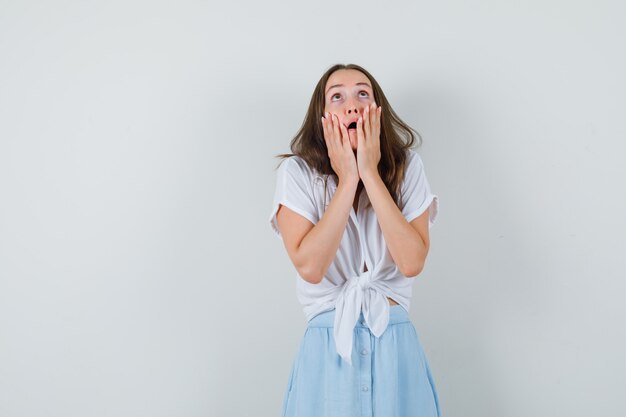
[[345, 287]]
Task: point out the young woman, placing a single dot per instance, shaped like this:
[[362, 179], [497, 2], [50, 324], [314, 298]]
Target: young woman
[[353, 207]]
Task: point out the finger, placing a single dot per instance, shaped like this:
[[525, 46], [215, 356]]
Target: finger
[[379, 112], [360, 136], [336, 130], [373, 115], [325, 126], [373, 120], [346, 136], [366, 122], [329, 126]]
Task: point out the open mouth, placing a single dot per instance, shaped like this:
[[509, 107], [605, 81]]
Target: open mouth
[[352, 125]]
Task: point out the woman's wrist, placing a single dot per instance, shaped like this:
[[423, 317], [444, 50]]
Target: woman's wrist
[[349, 182]]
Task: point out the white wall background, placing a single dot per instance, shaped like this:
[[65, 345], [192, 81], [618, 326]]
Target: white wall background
[[138, 272]]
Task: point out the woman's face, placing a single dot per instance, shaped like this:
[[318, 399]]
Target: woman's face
[[346, 94]]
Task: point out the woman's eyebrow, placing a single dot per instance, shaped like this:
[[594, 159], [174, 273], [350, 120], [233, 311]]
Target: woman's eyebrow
[[341, 85]]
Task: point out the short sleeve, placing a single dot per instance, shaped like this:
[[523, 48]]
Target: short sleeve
[[416, 193], [294, 189]]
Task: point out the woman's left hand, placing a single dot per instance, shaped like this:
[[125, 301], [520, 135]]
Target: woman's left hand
[[368, 137]]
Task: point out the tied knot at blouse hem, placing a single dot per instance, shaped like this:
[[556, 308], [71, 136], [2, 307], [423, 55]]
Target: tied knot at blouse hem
[[359, 294]]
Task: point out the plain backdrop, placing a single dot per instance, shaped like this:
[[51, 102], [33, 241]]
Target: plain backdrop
[[138, 272]]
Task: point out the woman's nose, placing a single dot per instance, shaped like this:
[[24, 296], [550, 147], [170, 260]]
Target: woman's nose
[[352, 110]]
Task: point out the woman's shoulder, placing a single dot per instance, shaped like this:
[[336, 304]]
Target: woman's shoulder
[[411, 154], [297, 165], [295, 162], [413, 166], [414, 159]]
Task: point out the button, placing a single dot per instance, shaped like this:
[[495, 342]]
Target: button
[[365, 388], [364, 352]]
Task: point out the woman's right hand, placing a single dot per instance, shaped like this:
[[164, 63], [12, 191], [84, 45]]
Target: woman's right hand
[[340, 152]]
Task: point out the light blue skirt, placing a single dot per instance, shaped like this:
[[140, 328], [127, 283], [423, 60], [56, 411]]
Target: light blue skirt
[[389, 377]]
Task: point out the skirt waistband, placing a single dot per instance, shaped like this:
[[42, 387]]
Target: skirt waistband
[[397, 314]]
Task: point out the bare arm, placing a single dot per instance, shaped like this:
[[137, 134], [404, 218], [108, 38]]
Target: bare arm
[[408, 243], [312, 248]]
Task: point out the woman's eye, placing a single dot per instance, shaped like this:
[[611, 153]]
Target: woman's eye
[[338, 96], [364, 93]]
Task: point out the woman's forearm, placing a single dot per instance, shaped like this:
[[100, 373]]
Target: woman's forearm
[[404, 243], [319, 247]]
